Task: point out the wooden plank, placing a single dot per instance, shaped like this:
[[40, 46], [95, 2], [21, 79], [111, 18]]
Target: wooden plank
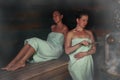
[[60, 73], [39, 71]]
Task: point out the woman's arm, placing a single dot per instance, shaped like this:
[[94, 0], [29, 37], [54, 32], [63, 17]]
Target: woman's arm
[[65, 33], [68, 41], [91, 51]]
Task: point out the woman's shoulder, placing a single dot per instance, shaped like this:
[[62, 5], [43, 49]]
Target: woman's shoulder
[[65, 27], [71, 32], [53, 26], [88, 31]]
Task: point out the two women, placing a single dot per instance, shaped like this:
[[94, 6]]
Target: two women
[[42, 50], [79, 46]]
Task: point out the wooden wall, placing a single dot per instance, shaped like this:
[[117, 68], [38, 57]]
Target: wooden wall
[[22, 19]]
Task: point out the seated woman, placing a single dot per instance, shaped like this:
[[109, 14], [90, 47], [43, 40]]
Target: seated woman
[[41, 50], [79, 46]]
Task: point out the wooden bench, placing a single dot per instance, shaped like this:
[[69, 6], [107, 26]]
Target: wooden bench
[[50, 70]]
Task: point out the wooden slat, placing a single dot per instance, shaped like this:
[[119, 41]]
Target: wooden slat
[[51, 70]]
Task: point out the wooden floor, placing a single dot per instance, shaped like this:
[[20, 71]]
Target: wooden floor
[[50, 70]]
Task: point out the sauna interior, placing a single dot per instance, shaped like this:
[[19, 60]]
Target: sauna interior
[[22, 19]]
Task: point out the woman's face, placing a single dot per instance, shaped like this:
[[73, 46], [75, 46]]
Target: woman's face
[[82, 22], [57, 17]]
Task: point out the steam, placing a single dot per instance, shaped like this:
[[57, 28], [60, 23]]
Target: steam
[[112, 53]]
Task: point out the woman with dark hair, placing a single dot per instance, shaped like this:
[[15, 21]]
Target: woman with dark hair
[[41, 50], [79, 46]]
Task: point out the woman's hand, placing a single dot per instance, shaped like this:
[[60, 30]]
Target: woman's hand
[[85, 43], [80, 55]]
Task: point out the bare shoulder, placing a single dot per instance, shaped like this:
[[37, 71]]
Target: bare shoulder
[[71, 32], [89, 32], [53, 26], [65, 27]]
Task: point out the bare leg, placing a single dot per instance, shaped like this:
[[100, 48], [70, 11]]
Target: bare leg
[[21, 62], [18, 57]]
